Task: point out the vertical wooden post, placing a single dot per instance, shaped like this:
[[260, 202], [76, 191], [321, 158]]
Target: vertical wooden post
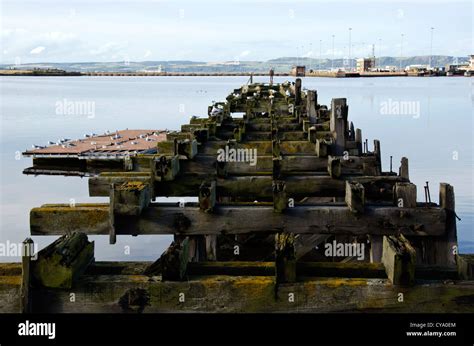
[[355, 197], [447, 245], [112, 233], [405, 195], [174, 260], [312, 134], [285, 258], [207, 196], [26, 272], [321, 148], [211, 247], [338, 124], [279, 196], [399, 259], [358, 139], [311, 100], [403, 171], [298, 91], [378, 155], [334, 166], [376, 249]]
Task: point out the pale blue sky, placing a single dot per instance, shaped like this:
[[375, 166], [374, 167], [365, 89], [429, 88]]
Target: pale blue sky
[[206, 30]]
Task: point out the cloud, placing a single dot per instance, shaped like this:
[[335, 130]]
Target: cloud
[[37, 50], [147, 54], [111, 48]]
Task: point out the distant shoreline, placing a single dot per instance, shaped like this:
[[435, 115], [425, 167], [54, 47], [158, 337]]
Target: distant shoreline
[[324, 74]]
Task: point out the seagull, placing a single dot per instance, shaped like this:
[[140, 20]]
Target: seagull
[[34, 146]]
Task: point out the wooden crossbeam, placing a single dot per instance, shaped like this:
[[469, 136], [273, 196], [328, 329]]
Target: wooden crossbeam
[[172, 219]]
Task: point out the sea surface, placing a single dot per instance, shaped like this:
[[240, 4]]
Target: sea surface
[[428, 120]]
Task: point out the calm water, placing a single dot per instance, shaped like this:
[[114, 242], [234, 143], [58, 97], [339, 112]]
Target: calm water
[[431, 141]]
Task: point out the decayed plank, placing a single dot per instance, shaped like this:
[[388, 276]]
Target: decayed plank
[[259, 186], [254, 294], [172, 219], [63, 261], [399, 259]]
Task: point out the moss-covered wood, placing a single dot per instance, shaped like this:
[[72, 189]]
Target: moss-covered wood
[[62, 262]]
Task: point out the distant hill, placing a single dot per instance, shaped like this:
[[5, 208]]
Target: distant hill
[[282, 64]]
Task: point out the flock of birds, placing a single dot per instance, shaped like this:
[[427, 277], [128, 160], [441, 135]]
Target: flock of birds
[[66, 142]]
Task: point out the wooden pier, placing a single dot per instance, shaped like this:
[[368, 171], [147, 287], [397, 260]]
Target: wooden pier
[[279, 180]]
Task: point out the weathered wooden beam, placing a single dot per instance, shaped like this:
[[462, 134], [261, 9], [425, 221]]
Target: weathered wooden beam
[[321, 148], [174, 260], [285, 258], [405, 195], [263, 147], [207, 195], [355, 197], [63, 261], [247, 294], [165, 168], [205, 166], [130, 198], [303, 269], [171, 219], [305, 243], [399, 259], [187, 147], [260, 186], [339, 269]]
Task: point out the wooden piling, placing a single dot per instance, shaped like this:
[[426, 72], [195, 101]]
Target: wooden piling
[[403, 171], [338, 124], [311, 101], [285, 258], [207, 196], [405, 195], [26, 301], [174, 261], [334, 166], [355, 197], [446, 246]]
